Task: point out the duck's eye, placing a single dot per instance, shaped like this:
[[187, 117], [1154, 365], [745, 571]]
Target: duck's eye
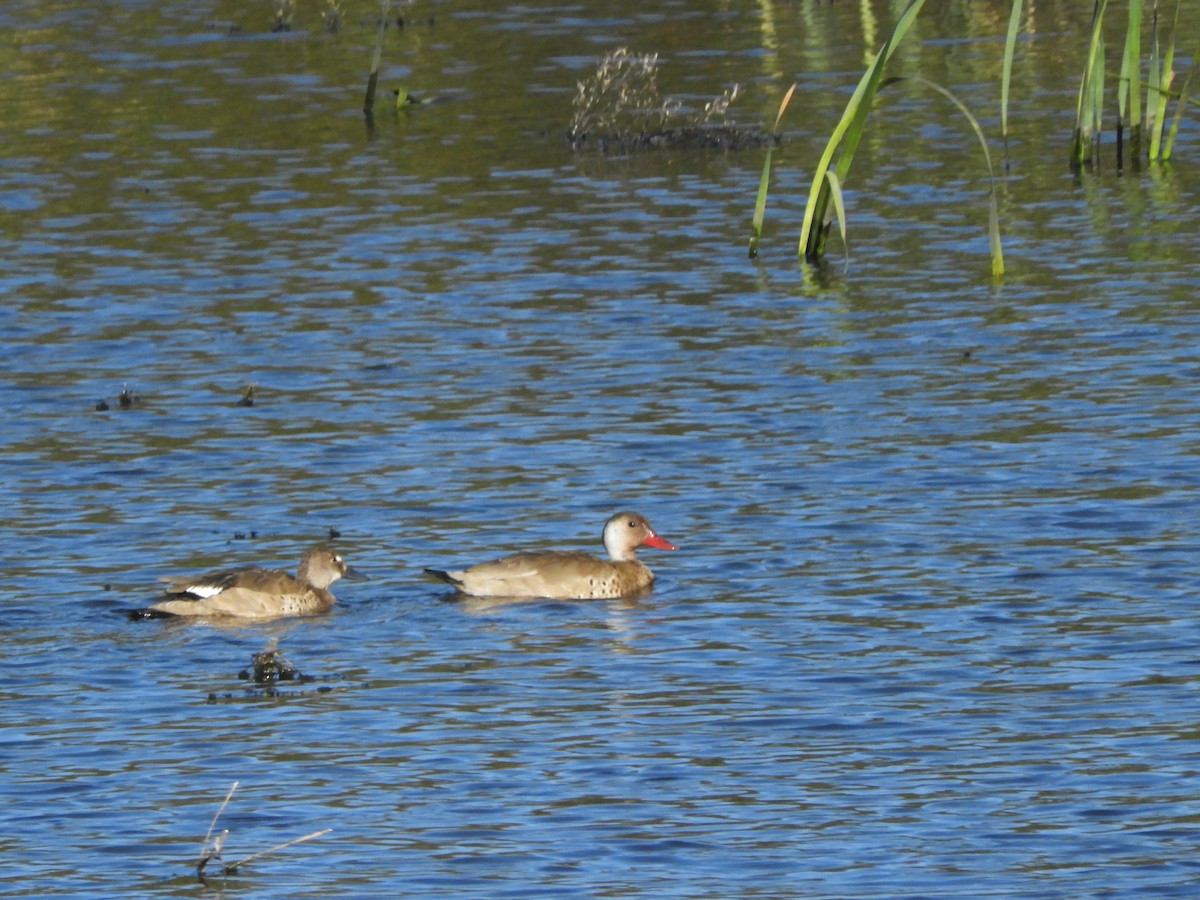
[[633, 523]]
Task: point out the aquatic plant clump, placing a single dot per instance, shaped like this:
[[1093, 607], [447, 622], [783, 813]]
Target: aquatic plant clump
[[620, 106]]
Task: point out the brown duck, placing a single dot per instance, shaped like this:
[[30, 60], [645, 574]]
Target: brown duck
[[254, 593], [568, 574]]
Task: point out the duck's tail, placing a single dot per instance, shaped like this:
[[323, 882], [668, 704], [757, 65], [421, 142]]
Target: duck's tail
[[139, 615], [444, 576]]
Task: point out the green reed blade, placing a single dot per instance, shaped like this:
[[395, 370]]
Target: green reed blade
[[839, 209], [847, 134], [997, 253], [1154, 93], [1010, 44], [376, 57], [1129, 87], [760, 202], [1160, 78], [1096, 105], [811, 245], [1184, 97], [1087, 108]]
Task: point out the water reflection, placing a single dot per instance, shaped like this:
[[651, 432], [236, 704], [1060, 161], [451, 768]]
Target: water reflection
[[616, 621]]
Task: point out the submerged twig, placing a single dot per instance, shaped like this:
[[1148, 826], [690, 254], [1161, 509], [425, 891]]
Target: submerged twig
[[233, 867], [212, 846], [208, 852]]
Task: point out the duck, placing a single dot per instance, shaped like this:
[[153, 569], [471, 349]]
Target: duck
[[253, 592], [567, 574]]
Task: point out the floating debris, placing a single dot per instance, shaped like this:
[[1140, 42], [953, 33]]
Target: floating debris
[[332, 17], [247, 398], [270, 666], [705, 137], [284, 11], [268, 669], [402, 22], [620, 108], [127, 399]]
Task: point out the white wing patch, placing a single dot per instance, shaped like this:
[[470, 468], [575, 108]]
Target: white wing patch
[[203, 591]]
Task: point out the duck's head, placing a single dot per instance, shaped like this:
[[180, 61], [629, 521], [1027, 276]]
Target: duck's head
[[321, 567], [626, 531]]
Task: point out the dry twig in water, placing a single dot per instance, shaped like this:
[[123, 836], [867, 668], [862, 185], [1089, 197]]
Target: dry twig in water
[[233, 867], [212, 846]]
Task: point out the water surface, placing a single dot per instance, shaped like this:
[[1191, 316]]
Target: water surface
[[930, 631]]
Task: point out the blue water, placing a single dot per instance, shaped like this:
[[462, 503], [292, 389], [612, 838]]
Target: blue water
[[930, 630]]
